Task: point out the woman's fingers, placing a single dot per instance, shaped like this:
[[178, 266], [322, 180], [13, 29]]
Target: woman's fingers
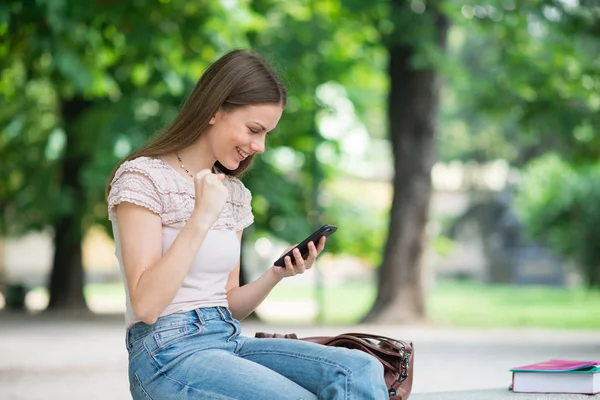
[[312, 250], [297, 264], [299, 261], [289, 266], [321, 244]]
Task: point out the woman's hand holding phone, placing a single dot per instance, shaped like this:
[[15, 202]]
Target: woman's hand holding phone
[[299, 265]]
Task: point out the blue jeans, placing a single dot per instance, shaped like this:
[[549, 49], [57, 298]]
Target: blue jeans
[[201, 355]]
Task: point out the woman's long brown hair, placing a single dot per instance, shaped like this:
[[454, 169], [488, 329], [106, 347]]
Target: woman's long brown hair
[[239, 78]]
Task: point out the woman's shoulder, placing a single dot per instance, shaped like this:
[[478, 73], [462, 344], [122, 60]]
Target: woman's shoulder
[[238, 191], [149, 166], [136, 181], [154, 184], [157, 170]]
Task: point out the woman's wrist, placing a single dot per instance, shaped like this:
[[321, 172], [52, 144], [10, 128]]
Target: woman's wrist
[[274, 276], [199, 221]]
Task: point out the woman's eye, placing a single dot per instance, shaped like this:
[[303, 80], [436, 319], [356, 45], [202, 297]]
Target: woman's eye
[[253, 130]]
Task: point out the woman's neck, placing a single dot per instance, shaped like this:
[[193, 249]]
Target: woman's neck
[[196, 158]]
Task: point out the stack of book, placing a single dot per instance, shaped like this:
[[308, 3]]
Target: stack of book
[[557, 376]]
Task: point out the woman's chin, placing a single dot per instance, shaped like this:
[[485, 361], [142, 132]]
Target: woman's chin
[[231, 165]]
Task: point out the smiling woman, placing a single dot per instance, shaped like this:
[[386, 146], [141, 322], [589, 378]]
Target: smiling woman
[[178, 210], [233, 136]]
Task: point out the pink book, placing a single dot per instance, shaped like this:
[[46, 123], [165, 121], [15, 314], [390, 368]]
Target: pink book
[[557, 376], [560, 366]]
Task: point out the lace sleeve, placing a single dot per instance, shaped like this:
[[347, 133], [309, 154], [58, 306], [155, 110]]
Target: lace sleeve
[[242, 210], [133, 187]]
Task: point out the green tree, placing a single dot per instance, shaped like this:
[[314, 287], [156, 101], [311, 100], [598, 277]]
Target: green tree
[[559, 204], [522, 83], [524, 78], [316, 44], [85, 83], [415, 43], [409, 36]]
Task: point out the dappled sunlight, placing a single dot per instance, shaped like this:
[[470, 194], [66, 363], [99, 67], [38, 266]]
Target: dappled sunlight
[[106, 298], [288, 310], [106, 306], [36, 300], [319, 297], [103, 298]]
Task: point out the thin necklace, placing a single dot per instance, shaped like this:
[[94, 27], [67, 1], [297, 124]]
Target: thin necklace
[[187, 171]]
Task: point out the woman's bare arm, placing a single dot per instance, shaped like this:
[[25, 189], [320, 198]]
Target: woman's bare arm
[[153, 279], [244, 300]]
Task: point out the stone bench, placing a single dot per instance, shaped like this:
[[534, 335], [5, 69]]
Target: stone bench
[[498, 394]]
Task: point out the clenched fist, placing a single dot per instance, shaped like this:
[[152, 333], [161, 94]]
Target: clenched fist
[[211, 195]]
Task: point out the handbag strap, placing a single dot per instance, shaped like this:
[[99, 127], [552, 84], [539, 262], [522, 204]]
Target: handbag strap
[[396, 345], [369, 347], [384, 338]]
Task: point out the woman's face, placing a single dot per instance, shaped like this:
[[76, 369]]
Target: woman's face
[[237, 134]]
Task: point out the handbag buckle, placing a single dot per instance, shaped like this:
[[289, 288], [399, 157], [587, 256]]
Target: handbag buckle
[[405, 365]]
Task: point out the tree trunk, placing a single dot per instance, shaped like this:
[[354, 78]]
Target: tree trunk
[[412, 110], [67, 277], [592, 274]]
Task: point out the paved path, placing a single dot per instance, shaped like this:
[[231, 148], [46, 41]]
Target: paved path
[[85, 358]]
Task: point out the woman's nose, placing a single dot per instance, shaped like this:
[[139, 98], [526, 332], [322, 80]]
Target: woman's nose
[[258, 145]]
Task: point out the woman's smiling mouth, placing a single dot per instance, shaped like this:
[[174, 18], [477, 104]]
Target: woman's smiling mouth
[[242, 153]]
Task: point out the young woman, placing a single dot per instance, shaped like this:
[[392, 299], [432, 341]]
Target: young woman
[[178, 211]]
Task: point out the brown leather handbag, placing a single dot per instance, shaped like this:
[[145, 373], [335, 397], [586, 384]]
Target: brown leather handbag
[[395, 355]]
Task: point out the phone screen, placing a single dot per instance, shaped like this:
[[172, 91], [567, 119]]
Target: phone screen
[[325, 230]]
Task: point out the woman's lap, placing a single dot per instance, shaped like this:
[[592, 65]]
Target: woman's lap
[[329, 372], [200, 354], [216, 375]]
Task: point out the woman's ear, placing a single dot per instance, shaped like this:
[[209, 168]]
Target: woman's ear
[[215, 117]]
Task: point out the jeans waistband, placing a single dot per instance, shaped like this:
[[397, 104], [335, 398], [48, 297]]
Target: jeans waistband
[[196, 316]]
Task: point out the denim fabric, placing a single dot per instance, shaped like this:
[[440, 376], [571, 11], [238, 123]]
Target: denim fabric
[[200, 354]]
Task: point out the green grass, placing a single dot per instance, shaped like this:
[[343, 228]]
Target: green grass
[[107, 291], [471, 305], [467, 304], [341, 304], [448, 304]]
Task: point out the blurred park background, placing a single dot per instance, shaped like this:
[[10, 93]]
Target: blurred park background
[[453, 142]]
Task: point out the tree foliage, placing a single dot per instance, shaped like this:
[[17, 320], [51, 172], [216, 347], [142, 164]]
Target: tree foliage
[[127, 66], [559, 204], [85, 83], [522, 80], [523, 83]]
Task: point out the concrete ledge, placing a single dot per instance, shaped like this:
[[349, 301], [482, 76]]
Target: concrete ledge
[[498, 394]]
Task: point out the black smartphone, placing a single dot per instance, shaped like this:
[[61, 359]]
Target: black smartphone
[[325, 230]]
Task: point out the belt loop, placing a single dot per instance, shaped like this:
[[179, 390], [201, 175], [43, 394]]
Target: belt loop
[[198, 312], [227, 312], [127, 331], [223, 314]]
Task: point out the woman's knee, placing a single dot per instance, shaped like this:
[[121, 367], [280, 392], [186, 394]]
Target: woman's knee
[[367, 377], [367, 366]]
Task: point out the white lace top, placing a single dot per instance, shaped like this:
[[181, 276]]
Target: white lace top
[[154, 184]]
